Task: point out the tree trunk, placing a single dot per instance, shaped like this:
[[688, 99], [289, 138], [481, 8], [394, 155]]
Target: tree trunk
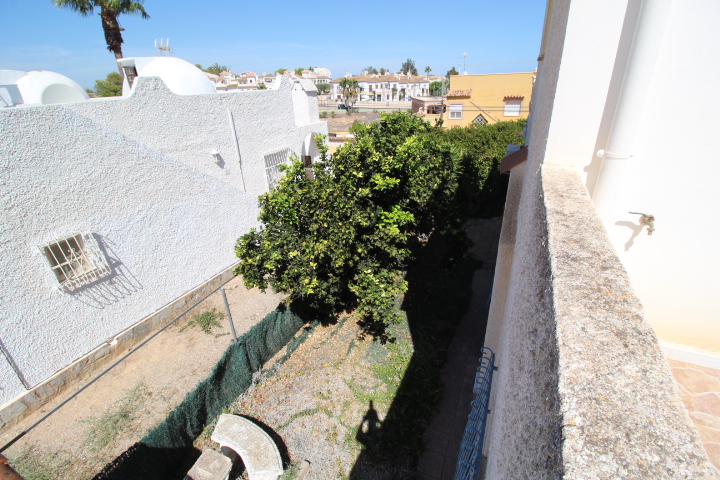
[[113, 35]]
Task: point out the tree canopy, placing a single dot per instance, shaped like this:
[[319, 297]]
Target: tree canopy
[[343, 240], [215, 68], [371, 70], [110, 10], [349, 89], [452, 71], [408, 67], [110, 87]]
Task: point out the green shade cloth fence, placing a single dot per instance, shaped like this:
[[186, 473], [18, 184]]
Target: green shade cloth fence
[[167, 451]]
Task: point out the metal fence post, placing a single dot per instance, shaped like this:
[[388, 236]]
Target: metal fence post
[[227, 312]]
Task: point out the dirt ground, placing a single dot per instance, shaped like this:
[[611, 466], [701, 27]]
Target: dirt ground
[[343, 121], [119, 409], [328, 399]]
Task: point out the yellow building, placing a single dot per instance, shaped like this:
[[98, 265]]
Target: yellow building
[[488, 98]]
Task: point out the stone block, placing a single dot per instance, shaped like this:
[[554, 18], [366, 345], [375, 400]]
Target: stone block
[[210, 466], [139, 331], [32, 400], [44, 392], [13, 411], [99, 353], [59, 380], [77, 369]]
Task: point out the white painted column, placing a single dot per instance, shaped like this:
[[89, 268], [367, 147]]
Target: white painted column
[[638, 74]]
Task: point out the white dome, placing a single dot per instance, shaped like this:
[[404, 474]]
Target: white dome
[[42, 87], [181, 77]]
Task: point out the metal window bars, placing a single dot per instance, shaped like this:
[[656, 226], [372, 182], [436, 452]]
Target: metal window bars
[[470, 456], [272, 161], [76, 260]]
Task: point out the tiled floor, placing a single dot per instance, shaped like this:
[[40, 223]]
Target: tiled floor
[[443, 436], [700, 392]]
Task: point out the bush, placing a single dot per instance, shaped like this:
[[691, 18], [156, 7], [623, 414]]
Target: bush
[[343, 240]]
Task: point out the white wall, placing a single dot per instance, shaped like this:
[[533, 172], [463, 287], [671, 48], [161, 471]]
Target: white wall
[[139, 174], [672, 173]]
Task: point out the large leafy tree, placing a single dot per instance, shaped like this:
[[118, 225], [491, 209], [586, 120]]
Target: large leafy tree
[[343, 240], [408, 66], [349, 89], [452, 71], [110, 10], [110, 87]]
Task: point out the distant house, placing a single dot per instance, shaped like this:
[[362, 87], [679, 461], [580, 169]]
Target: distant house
[[386, 88], [488, 98], [116, 211]]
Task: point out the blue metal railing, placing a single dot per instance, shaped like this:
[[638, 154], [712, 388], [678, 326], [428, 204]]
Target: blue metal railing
[[470, 456]]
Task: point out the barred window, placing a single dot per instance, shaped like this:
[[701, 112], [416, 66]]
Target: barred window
[[272, 161], [76, 260]]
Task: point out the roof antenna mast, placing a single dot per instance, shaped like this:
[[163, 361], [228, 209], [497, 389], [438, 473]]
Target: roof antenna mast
[[162, 47]]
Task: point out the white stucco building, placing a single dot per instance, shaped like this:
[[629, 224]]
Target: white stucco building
[[586, 303], [112, 209], [390, 87]]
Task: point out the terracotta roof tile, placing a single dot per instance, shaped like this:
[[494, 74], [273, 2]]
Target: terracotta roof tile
[[460, 93]]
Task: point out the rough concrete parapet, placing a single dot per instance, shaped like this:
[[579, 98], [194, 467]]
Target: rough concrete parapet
[[100, 357], [621, 414]]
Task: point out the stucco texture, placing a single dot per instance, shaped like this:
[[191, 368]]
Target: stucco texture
[[139, 174]]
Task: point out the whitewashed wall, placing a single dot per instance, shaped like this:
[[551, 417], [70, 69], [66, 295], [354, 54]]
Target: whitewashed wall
[[672, 173], [138, 172]]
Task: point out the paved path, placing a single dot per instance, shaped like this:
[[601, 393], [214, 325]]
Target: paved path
[[443, 435]]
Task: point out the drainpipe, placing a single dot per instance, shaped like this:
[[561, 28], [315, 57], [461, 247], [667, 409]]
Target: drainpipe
[[646, 42]]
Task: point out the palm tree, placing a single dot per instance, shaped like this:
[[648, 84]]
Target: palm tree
[[427, 71], [350, 89], [110, 10]]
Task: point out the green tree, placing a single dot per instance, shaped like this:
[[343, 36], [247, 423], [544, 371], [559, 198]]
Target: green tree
[[298, 71], [427, 71], [323, 87], [384, 71], [436, 88], [280, 71], [110, 87], [110, 10], [408, 67], [349, 89], [452, 71], [262, 86], [372, 70], [342, 240], [215, 68]]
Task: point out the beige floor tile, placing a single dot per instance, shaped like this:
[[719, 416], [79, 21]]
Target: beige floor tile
[[713, 451], [707, 403], [696, 381], [705, 420]]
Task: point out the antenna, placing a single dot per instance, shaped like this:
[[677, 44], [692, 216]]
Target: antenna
[[464, 57], [162, 47]]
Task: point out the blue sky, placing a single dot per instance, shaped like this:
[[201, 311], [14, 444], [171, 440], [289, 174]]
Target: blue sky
[[264, 36]]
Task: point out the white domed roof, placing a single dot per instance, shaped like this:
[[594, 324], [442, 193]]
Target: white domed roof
[[43, 87], [181, 77]]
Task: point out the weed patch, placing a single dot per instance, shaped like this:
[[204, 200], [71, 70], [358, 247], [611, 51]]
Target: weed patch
[[109, 426], [206, 321]]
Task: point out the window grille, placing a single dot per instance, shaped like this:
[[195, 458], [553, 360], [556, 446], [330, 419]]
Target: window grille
[[480, 120], [272, 161], [76, 260]]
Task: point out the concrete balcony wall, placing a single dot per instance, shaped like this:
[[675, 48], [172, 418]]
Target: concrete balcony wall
[[582, 388]]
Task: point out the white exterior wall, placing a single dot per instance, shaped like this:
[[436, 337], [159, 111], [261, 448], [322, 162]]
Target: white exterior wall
[[138, 172], [672, 173]]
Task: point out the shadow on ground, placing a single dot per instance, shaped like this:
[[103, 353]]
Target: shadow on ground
[[434, 304]]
